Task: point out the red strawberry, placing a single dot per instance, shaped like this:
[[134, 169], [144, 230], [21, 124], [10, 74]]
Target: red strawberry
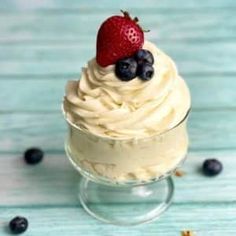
[[118, 37]]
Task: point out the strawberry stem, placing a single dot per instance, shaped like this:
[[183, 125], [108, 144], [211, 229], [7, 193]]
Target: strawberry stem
[[126, 14], [136, 19]]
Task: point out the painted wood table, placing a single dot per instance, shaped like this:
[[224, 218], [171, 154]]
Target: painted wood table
[[45, 43]]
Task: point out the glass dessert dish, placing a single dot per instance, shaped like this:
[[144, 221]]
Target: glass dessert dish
[[126, 119], [141, 195]]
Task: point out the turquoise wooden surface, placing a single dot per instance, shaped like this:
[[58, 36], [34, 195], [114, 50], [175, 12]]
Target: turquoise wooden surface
[[45, 43]]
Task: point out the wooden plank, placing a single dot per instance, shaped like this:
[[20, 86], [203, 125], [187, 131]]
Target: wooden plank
[[209, 129], [219, 53], [83, 4], [32, 95], [21, 27], [36, 185], [44, 129], [52, 182], [206, 58], [46, 94], [206, 220]]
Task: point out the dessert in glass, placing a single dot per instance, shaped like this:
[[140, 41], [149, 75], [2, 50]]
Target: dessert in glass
[[126, 119]]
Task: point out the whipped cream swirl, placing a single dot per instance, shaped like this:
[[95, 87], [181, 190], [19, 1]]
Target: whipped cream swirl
[[106, 106]]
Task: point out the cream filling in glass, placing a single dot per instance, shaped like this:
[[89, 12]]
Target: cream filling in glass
[[114, 124]]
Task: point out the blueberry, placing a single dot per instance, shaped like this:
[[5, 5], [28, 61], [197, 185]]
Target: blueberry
[[126, 69], [145, 71], [212, 167], [33, 156], [144, 56], [18, 225]]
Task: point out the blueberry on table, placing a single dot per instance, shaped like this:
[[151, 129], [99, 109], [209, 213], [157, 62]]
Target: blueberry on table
[[212, 167], [33, 156], [18, 225], [126, 69], [144, 56], [145, 71]]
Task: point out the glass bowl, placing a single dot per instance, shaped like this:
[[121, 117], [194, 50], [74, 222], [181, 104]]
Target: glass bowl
[[126, 181]]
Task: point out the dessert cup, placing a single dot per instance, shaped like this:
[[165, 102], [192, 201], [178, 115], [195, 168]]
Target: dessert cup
[[126, 181]]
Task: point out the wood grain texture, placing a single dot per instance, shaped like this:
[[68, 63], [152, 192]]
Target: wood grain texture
[[46, 93], [20, 130], [61, 26], [207, 58], [56, 173], [106, 4], [44, 43], [74, 221]]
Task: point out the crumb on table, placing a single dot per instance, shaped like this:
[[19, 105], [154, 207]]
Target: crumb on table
[[187, 233], [179, 173]]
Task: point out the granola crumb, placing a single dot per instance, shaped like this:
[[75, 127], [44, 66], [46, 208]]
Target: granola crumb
[[179, 173], [187, 233]]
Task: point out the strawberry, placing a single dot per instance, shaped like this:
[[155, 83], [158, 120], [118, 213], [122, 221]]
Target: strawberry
[[118, 37]]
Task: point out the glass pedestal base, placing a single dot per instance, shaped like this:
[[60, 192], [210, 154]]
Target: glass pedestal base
[[126, 205]]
